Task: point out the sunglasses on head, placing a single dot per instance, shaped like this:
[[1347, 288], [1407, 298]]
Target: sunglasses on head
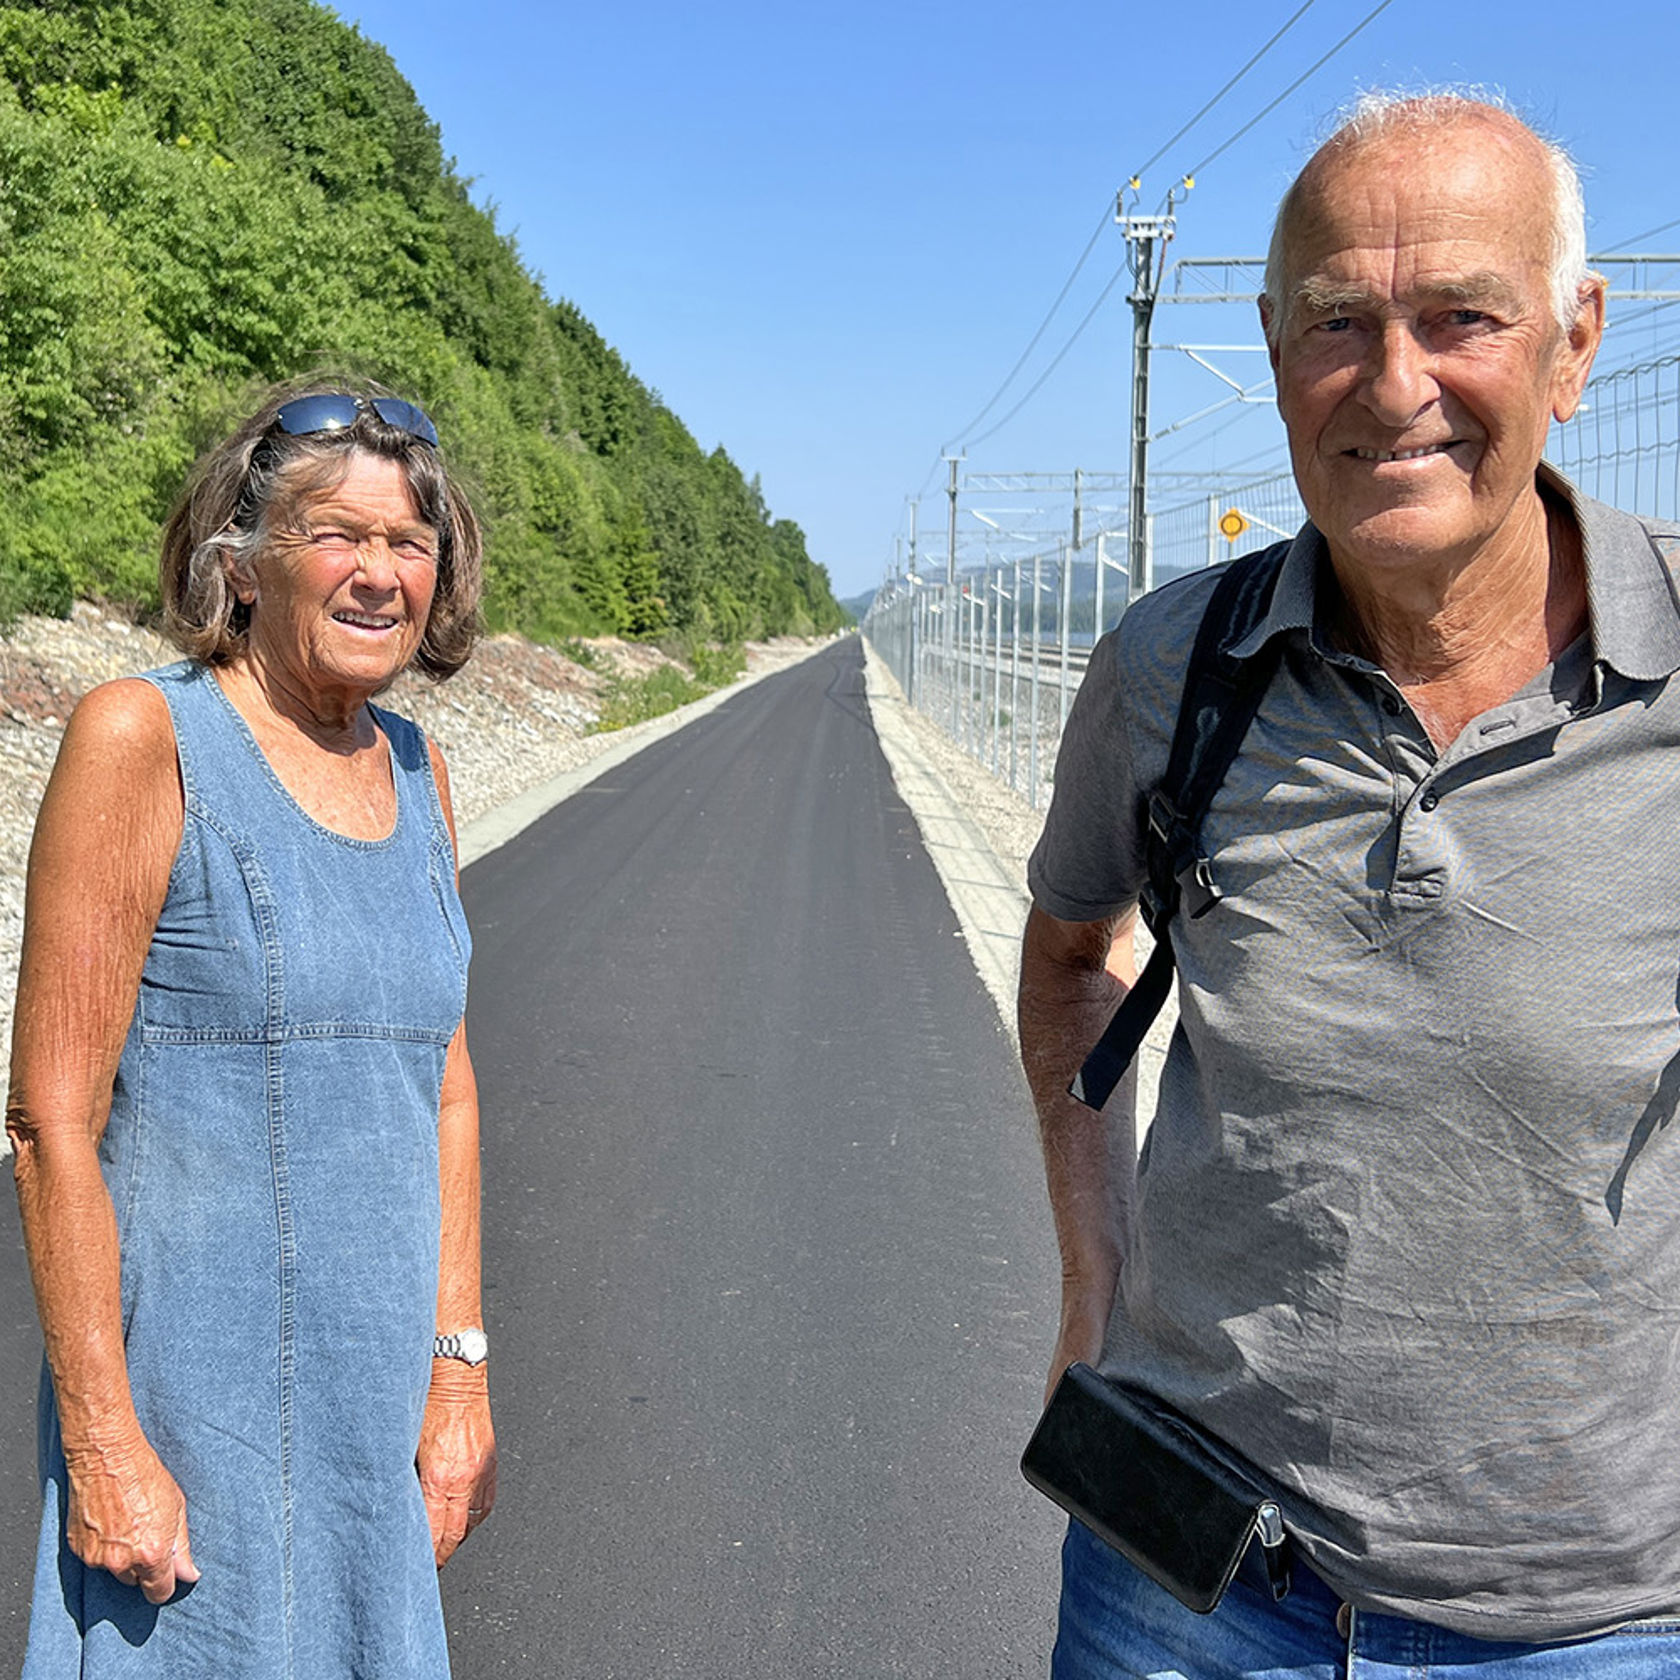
[[334, 411]]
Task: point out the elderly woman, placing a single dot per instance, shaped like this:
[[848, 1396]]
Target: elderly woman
[[244, 1118]]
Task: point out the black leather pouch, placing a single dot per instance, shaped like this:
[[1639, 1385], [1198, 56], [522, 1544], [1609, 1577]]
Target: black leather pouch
[[1136, 1475]]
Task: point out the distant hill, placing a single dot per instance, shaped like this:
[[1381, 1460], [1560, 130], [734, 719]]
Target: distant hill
[[858, 605], [200, 196]]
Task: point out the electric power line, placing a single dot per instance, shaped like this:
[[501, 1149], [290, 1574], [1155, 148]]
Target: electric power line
[[1032, 343], [1640, 238], [1312, 70], [1067, 285], [1639, 319], [1318, 64], [1056, 360], [1203, 438], [1137, 174]]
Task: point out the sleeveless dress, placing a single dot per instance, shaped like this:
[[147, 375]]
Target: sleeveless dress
[[272, 1157]]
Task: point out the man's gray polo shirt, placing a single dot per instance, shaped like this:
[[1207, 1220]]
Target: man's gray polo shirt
[[1407, 1232]]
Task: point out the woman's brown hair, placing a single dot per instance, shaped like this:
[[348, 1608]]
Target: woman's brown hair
[[243, 491]]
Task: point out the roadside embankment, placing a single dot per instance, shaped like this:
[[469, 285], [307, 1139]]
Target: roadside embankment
[[513, 727], [510, 724], [979, 833]]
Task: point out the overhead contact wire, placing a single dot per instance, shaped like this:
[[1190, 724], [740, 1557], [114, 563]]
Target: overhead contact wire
[[1302, 12], [1639, 238], [1056, 361], [1061, 296], [960, 435], [1032, 344], [1091, 243], [1364, 23]]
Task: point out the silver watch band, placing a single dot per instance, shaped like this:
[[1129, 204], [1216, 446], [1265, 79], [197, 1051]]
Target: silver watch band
[[471, 1347]]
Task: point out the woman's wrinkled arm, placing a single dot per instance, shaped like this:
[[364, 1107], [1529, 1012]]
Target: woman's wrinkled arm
[[105, 841], [457, 1457]]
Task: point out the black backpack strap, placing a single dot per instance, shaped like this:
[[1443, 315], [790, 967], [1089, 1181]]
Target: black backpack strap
[[1221, 695]]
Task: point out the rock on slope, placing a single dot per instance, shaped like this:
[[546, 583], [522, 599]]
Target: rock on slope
[[514, 718]]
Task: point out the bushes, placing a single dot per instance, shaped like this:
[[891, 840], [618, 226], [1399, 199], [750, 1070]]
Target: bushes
[[630, 700], [713, 663], [200, 196]]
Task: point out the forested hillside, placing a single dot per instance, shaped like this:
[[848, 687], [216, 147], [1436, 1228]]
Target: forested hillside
[[197, 196]]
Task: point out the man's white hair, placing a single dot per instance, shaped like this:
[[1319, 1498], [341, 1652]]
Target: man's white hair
[[1376, 114]]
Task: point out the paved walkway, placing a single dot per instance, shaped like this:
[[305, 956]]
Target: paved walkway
[[770, 1275]]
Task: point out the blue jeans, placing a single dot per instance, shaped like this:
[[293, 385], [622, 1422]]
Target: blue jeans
[[1116, 1624]]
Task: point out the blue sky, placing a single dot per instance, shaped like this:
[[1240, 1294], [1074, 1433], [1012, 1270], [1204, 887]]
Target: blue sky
[[825, 234]]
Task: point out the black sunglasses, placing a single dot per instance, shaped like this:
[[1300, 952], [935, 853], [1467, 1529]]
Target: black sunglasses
[[334, 411]]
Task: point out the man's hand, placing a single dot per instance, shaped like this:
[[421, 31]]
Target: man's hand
[[1073, 975], [127, 1515], [457, 1457], [1079, 1337]]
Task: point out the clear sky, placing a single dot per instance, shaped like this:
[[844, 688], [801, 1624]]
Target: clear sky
[[825, 234]]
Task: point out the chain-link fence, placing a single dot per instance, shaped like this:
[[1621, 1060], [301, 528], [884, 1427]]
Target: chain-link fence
[[995, 657], [1228, 521], [1623, 446]]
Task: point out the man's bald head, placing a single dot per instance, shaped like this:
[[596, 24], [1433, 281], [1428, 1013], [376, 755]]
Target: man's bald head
[[1401, 121]]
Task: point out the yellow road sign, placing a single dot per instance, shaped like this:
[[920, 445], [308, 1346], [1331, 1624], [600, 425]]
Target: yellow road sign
[[1232, 524]]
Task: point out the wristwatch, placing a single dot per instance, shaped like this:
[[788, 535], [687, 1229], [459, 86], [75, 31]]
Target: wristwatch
[[471, 1347]]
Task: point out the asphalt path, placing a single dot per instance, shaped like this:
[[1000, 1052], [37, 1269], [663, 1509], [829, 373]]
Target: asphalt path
[[769, 1279]]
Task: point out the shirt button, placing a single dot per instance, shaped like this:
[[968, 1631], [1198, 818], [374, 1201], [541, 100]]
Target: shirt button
[[1344, 1620], [1429, 801]]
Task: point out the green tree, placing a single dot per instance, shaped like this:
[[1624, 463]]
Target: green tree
[[199, 196]]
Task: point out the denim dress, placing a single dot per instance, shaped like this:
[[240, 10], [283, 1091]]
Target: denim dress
[[272, 1155]]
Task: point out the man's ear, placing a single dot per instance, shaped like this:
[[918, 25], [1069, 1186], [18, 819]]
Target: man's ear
[[1575, 355], [1266, 328]]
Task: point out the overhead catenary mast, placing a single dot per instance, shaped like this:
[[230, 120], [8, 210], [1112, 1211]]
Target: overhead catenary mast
[[1147, 238]]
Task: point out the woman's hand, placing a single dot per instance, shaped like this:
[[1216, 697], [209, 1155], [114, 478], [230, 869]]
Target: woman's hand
[[127, 1515], [457, 1457], [105, 842]]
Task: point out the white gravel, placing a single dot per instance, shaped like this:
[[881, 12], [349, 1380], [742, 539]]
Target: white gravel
[[512, 720], [1004, 817], [1011, 827]]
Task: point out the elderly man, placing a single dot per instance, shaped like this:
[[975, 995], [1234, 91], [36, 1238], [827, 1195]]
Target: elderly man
[[1403, 1244]]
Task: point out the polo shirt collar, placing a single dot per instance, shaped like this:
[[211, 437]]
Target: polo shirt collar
[[1294, 598], [1632, 611]]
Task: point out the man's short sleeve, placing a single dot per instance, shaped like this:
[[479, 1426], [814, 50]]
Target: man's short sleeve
[[1088, 863]]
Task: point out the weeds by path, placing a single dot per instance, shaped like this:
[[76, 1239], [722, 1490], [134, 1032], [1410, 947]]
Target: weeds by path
[[627, 700]]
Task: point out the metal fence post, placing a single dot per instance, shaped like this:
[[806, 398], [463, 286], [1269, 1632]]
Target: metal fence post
[[1015, 683], [997, 675], [1065, 614], [1032, 737]]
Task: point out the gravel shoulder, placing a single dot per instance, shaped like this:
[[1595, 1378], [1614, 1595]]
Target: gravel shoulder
[[514, 720], [962, 808], [1009, 823], [514, 728]]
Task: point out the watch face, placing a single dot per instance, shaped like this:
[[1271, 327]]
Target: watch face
[[475, 1346]]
